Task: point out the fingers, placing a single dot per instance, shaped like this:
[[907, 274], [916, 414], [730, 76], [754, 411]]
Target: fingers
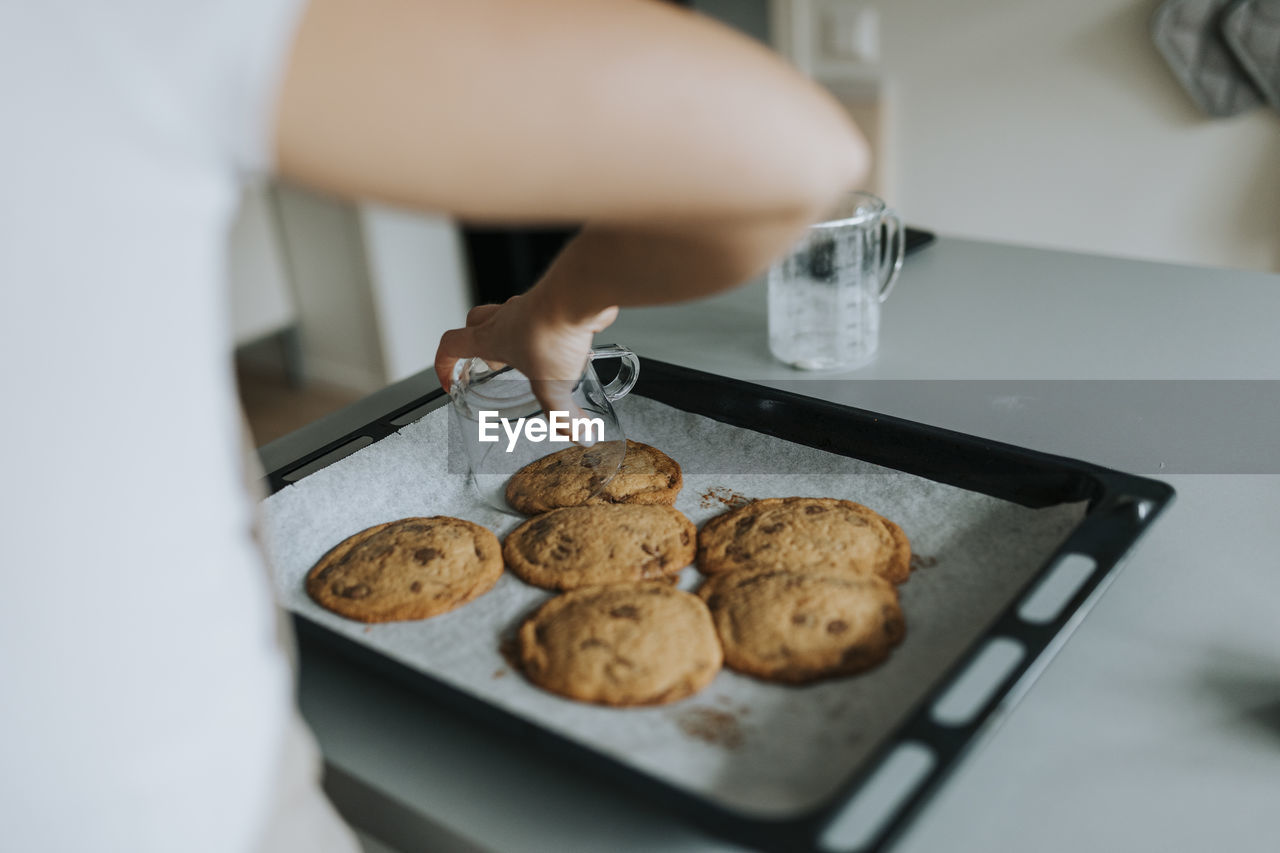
[[556, 395], [604, 319], [481, 313], [457, 344], [549, 363], [478, 316], [454, 344]]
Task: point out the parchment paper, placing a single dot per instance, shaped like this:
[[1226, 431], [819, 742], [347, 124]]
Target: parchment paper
[[766, 750]]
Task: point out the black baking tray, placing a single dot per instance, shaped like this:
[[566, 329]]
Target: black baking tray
[[1120, 507]]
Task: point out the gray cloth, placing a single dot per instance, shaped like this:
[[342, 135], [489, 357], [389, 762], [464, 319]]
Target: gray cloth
[[1251, 28], [1186, 32]]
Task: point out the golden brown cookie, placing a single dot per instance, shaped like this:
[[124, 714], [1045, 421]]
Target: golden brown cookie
[[570, 478], [591, 545], [407, 569], [796, 627], [630, 644], [822, 534]]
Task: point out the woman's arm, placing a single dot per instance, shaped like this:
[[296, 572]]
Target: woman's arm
[[693, 154]]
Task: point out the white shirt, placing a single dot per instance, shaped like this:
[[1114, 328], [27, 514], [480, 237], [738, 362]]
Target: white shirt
[[143, 699]]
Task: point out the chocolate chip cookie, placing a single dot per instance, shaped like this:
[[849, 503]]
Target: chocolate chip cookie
[[590, 545], [407, 569], [796, 627], [572, 477], [800, 534], [633, 644]]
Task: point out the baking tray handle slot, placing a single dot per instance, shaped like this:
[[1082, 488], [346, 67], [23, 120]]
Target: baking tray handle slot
[[1056, 590], [980, 681], [880, 798]]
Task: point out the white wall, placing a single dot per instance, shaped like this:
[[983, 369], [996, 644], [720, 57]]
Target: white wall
[[374, 287], [419, 278], [325, 255], [1057, 124]]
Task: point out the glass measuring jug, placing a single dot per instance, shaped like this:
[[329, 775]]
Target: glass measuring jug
[[502, 427], [825, 294]]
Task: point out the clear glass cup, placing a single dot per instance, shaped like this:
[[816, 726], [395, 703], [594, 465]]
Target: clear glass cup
[[825, 294], [502, 426]]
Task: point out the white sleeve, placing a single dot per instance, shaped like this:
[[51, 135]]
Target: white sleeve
[[143, 698], [257, 71], [203, 74]]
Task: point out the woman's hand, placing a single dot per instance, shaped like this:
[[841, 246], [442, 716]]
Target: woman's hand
[[532, 334]]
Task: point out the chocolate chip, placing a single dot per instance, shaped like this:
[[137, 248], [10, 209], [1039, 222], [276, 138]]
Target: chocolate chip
[[799, 619], [626, 611], [359, 590], [416, 586], [479, 553], [540, 526], [837, 626], [425, 555], [736, 552], [649, 549], [684, 537], [743, 525], [814, 510], [561, 551], [773, 528], [650, 571]]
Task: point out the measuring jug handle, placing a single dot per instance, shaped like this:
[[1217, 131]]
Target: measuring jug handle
[[628, 371], [894, 242]]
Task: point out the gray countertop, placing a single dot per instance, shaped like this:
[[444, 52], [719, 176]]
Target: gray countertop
[[1157, 727]]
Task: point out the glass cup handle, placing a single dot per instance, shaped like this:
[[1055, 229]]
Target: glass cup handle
[[895, 250], [628, 371]]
